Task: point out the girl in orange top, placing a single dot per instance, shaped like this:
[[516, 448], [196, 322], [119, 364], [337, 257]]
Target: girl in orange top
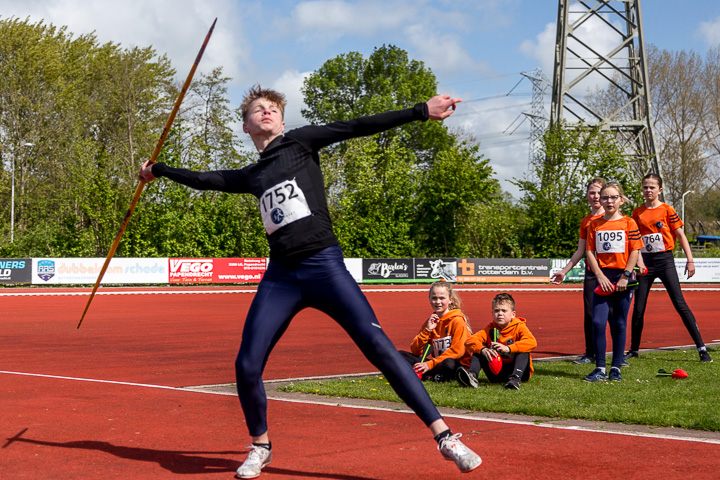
[[660, 226], [613, 248], [446, 330], [589, 281]]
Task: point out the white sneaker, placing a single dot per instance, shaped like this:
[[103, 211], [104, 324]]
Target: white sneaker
[[467, 378], [257, 458], [453, 449]]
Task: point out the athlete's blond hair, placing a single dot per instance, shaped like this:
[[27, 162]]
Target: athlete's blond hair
[[268, 94]]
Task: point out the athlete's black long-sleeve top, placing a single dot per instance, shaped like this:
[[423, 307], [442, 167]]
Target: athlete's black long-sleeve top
[[288, 182]]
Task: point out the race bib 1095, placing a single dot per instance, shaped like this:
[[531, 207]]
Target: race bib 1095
[[610, 241]]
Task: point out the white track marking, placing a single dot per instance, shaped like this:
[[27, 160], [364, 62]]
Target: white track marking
[[404, 409], [112, 382], [459, 288]]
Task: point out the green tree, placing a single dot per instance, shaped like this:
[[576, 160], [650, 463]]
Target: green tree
[[458, 180], [402, 192], [93, 113], [350, 86], [493, 230], [372, 198], [554, 199]]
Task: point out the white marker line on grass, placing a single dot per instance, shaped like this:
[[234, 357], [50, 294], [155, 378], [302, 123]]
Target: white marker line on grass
[[510, 422]]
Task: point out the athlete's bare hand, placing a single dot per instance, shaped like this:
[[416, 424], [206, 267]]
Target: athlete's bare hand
[[557, 278], [432, 322], [690, 269], [145, 174], [421, 367], [606, 285], [442, 106]]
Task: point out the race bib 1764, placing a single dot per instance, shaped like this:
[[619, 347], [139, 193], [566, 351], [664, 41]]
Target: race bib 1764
[[653, 243]]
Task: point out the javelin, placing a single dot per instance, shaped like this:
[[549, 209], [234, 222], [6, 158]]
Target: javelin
[[154, 156]]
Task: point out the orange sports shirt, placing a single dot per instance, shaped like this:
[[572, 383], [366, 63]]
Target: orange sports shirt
[[657, 227], [613, 240], [447, 339], [584, 224]]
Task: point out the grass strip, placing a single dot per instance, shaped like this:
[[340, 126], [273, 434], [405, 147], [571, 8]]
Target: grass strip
[[556, 390]]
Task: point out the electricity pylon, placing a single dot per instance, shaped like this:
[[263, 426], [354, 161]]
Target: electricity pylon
[[600, 44], [538, 115]]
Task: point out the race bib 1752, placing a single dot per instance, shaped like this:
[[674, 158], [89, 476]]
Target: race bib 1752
[[282, 204]]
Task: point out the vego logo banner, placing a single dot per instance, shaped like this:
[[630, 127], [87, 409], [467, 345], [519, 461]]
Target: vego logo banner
[[217, 270], [239, 270], [191, 270]]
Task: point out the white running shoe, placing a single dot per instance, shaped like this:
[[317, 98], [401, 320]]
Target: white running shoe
[[453, 449], [257, 458]]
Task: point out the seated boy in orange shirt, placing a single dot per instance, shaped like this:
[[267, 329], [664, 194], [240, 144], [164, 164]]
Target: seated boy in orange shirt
[[513, 346]]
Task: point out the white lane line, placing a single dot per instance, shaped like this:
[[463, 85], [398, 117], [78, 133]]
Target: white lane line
[[400, 409], [112, 382], [132, 292], [460, 288]]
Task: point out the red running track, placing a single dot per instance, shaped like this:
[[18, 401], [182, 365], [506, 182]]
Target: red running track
[[67, 428]]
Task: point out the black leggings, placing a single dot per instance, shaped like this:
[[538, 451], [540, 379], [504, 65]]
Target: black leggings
[[322, 282], [661, 265], [519, 367], [589, 283], [446, 368]]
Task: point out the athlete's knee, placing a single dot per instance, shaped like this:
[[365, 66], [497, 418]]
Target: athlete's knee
[[378, 343], [247, 370]]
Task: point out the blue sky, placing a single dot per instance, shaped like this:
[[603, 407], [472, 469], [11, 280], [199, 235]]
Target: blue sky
[[476, 49]]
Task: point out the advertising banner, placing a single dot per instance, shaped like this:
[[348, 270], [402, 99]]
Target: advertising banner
[[433, 269], [388, 270], [504, 270], [355, 267], [15, 270], [576, 274], [54, 271], [216, 270], [707, 270]]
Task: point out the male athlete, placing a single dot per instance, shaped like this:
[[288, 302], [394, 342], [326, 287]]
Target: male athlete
[[306, 267]]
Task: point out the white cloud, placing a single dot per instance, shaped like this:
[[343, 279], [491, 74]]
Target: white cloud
[[290, 82], [442, 52], [173, 27], [496, 124], [542, 49], [327, 20], [710, 32]]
